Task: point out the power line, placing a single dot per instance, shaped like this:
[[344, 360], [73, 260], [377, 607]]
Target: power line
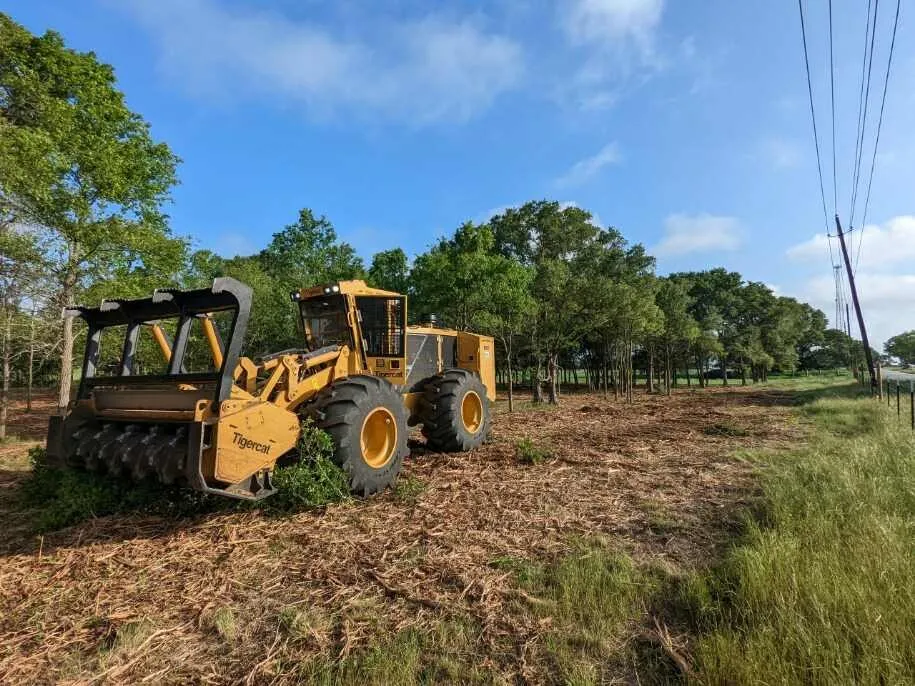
[[867, 64], [832, 91], [886, 82], [816, 136]]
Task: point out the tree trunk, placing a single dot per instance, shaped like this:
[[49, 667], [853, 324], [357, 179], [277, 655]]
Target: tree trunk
[[68, 288], [66, 365], [724, 373], [535, 382], [511, 380], [667, 368], [5, 384], [650, 381], [552, 369], [30, 377]]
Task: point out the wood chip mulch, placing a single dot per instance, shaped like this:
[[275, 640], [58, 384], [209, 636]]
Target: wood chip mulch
[[647, 477]]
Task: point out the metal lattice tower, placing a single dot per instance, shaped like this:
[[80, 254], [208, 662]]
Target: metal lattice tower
[[840, 322]]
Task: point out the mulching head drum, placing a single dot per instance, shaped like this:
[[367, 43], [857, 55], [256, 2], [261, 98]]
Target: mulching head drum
[[137, 450]]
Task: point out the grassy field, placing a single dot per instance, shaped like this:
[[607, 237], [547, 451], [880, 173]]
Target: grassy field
[[817, 588], [727, 536], [821, 587]]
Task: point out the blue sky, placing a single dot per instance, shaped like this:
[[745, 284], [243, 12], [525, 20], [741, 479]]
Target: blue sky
[[683, 124]]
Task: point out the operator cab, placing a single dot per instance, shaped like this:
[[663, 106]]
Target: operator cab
[[324, 322], [338, 313]]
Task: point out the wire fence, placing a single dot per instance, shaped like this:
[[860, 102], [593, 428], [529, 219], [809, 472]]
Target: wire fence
[[896, 388]]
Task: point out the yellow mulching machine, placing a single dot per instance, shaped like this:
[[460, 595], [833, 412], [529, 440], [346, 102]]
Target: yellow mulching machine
[[166, 393]]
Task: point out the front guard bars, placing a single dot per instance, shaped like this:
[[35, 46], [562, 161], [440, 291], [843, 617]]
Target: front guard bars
[[225, 295]]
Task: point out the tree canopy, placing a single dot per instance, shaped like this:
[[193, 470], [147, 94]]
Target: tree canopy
[[80, 169], [902, 346], [83, 191]]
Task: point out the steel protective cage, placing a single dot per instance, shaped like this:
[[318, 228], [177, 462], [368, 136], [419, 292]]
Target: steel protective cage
[[225, 295]]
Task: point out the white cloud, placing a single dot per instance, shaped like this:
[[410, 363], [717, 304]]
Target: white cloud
[[883, 246], [586, 169], [699, 233], [423, 70], [613, 22], [886, 300], [614, 46]]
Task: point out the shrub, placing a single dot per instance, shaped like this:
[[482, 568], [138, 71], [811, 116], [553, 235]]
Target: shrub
[[530, 453], [313, 480], [62, 497]]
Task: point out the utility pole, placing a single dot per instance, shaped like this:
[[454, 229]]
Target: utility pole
[[875, 388], [852, 358]]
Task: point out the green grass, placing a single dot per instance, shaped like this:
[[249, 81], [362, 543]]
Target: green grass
[[821, 590], [448, 652], [223, 623], [408, 489], [594, 601], [56, 498], [529, 452]]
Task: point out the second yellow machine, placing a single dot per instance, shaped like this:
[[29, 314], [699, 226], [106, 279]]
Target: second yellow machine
[[202, 414]]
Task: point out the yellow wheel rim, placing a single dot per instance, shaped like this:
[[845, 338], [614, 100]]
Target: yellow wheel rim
[[379, 437], [472, 412]]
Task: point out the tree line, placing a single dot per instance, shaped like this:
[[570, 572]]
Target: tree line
[[83, 187]]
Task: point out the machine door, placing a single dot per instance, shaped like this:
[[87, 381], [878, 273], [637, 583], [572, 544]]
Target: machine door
[[383, 323]]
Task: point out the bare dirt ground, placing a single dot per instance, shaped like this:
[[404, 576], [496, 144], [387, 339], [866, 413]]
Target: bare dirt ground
[[658, 479]]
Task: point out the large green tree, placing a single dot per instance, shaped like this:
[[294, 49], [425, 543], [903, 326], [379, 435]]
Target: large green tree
[[302, 254], [452, 279], [308, 252], [390, 270], [581, 272], [77, 165], [472, 286], [902, 346], [679, 330]]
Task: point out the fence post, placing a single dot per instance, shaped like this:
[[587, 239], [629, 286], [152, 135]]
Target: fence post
[[898, 411], [912, 401], [888, 399]]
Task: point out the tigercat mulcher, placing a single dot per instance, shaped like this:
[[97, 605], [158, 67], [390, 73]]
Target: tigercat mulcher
[[165, 392]]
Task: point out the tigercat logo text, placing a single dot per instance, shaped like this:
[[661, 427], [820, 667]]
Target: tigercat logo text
[[247, 444]]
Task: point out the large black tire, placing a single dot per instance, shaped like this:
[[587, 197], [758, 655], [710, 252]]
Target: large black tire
[[447, 424], [345, 410]]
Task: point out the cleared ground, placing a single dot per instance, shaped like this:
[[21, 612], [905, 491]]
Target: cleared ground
[[243, 596]]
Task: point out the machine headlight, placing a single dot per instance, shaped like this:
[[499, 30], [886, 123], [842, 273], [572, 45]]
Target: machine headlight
[[335, 288], [327, 290], [296, 296]]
